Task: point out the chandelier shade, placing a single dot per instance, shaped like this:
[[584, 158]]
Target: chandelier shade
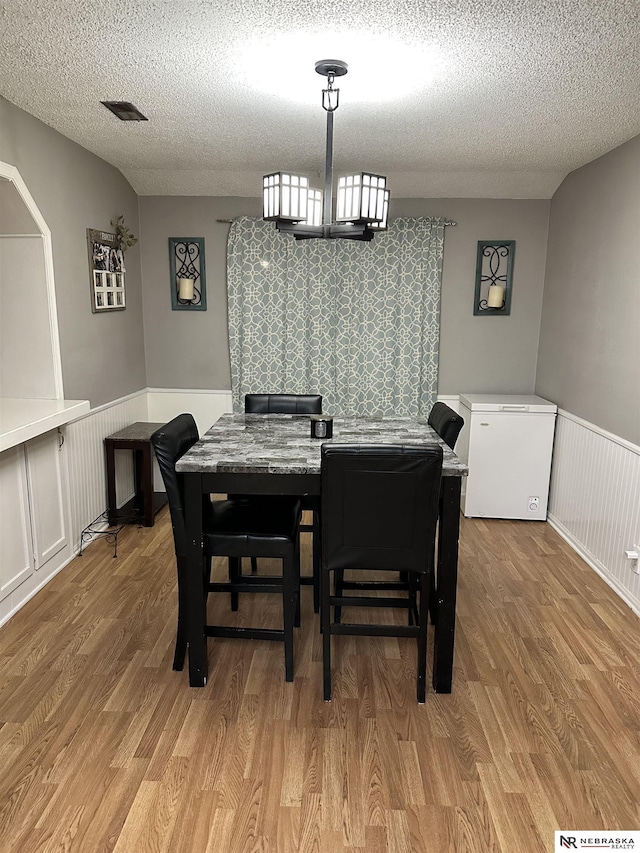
[[285, 197], [362, 202], [360, 198]]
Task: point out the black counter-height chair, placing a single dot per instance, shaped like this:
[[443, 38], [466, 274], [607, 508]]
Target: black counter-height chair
[[283, 404], [446, 423], [238, 528], [379, 512], [295, 404]]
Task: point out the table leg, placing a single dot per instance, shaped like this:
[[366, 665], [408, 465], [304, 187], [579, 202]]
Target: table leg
[[449, 531], [146, 479], [112, 506], [196, 599]]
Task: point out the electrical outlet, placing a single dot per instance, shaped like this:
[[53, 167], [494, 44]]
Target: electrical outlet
[[634, 556], [533, 503]]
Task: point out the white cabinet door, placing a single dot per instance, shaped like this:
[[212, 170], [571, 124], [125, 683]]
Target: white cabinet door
[[46, 493], [16, 554]]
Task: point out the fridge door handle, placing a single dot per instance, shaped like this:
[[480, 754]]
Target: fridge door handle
[[514, 408]]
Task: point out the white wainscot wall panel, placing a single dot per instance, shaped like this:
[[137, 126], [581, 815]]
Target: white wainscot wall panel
[[595, 500], [87, 469], [205, 406]]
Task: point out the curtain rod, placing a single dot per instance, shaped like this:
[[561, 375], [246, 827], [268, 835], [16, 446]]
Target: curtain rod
[[229, 221]]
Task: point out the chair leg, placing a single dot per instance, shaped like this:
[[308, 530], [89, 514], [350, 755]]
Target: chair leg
[[297, 580], [316, 561], [181, 633], [180, 650], [325, 583], [254, 565], [288, 610], [339, 580], [422, 639], [433, 598], [413, 589], [235, 572]]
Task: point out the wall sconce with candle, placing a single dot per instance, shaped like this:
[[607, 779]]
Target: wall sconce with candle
[[494, 274], [187, 274]]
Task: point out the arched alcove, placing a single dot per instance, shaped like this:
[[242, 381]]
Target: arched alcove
[[31, 389], [29, 344]]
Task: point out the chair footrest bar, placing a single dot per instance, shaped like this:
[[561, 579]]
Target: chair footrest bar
[[244, 633], [367, 601], [366, 630], [399, 585], [242, 586]]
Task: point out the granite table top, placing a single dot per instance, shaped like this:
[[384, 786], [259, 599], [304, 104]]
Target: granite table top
[[282, 444], [140, 431]]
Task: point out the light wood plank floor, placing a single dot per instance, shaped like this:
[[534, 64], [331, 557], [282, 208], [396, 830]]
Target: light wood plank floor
[[103, 747]]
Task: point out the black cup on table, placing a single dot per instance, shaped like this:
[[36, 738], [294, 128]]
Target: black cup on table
[[321, 426]]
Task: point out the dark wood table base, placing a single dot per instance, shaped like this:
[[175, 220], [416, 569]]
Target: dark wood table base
[[144, 505]]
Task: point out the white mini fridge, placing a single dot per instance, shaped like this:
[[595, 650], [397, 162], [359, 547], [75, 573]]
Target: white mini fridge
[[507, 442]]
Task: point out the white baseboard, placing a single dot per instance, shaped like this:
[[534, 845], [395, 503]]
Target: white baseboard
[[590, 560], [29, 590]]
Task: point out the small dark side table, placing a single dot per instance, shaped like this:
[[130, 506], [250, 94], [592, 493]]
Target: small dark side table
[[145, 503]]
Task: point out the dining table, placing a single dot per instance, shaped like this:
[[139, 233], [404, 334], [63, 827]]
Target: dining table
[[274, 454]]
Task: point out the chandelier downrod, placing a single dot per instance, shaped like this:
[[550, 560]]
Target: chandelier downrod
[[328, 172]]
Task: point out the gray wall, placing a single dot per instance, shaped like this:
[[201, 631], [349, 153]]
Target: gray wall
[[102, 354], [589, 354], [26, 356], [187, 349], [477, 354], [494, 354]]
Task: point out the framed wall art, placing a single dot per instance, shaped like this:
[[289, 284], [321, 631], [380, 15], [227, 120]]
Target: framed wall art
[[187, 276], [494, 276], [106, 272]]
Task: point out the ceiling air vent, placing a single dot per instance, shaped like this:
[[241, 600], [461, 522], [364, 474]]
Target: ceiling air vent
[[124, 110]]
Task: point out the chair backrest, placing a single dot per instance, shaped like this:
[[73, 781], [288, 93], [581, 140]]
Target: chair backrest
[[446, 423], [170, 442], [283, 404], [379, 506]]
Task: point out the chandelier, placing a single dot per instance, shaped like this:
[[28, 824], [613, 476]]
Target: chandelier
[[362, 203]]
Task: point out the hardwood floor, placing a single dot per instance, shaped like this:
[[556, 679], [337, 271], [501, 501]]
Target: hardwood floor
[[103, 747]]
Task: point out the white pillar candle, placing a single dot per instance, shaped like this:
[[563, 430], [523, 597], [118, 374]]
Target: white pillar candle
[[185, 289], [496, 296]]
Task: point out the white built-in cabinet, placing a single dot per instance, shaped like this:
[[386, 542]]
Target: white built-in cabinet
[[33, 515], [34, 491], [17, 562]]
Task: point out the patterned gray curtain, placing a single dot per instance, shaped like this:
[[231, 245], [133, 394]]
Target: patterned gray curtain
[[356, 322]]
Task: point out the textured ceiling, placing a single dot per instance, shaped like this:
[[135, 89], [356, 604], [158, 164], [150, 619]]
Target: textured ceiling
[[493, 98]]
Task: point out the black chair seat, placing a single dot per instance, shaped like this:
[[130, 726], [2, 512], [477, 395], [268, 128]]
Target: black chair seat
[[265, 526]]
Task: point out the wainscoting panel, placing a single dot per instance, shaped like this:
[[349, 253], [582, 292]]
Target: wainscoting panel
[[205, 406], [87, 471], [595, 500]]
